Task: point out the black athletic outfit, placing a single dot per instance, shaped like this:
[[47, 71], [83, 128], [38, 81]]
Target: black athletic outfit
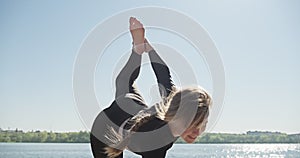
[[127, 98]]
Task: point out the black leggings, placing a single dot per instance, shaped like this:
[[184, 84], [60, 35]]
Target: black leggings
[[129, 73], [125, 91]]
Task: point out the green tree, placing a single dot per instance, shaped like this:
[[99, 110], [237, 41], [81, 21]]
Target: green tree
[[51, 137], [28, 137], [42, 136], [61, 137]]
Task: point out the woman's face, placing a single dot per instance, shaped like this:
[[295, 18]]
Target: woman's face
[[191, 133]]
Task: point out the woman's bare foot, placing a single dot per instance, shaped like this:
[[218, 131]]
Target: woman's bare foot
[[138, 35]]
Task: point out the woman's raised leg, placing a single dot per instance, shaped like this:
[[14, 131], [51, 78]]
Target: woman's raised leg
[[129, 73]]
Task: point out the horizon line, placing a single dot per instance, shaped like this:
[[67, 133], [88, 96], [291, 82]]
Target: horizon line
[[70, 131]]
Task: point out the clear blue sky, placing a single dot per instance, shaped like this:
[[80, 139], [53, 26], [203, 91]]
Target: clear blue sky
[[257, 40]]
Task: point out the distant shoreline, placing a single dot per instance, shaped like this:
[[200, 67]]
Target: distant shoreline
[[174, 143], [250, 137]]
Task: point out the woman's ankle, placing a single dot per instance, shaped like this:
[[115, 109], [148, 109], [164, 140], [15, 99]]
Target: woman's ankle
[[148, 46], [138, 48]]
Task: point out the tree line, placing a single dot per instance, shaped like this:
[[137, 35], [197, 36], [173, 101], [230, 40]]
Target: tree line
[[249, 137], [83, 137], [44, 137]]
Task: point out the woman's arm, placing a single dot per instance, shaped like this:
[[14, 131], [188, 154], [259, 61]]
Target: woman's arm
[[162, 73], [127, 76]]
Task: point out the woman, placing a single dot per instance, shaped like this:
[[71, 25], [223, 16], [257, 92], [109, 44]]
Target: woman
[[149, 132]]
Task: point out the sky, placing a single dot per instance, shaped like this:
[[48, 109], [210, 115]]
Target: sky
[[258, 42]]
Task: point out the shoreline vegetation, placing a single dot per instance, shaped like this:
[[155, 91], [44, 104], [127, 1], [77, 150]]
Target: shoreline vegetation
[[207, 138]]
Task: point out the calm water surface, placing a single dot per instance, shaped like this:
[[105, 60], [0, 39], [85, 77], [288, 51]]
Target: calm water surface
[[61, 150]]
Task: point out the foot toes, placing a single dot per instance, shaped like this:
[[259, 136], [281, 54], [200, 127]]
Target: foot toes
[[135, 24]]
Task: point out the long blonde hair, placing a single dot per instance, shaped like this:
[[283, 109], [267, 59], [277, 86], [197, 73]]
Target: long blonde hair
[[187, 97], [165, 110]]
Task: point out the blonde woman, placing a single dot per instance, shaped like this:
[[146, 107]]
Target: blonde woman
[[149, 132]]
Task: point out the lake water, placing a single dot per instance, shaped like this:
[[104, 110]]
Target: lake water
[[61, 150]]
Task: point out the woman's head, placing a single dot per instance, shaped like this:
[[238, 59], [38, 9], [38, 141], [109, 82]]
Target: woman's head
[[181, 105]]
